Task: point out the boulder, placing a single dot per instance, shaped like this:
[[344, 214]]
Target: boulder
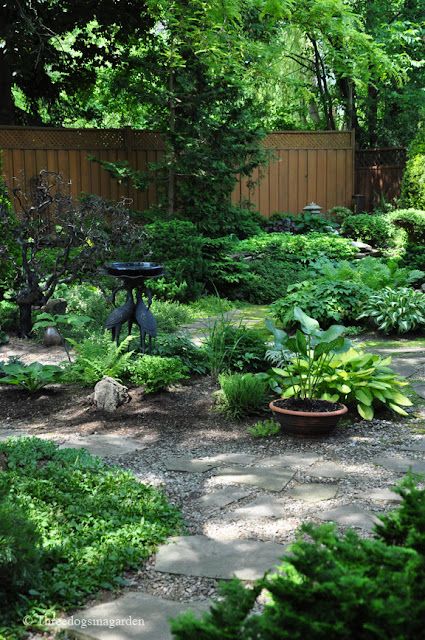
[[55, 306], [109, 394]]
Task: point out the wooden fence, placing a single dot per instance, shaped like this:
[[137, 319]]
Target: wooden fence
[[304, 166], [378, 175]]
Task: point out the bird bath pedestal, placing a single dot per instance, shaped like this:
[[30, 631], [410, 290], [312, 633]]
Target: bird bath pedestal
[[134, 276]]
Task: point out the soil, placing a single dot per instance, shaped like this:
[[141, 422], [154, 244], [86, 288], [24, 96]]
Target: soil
[[307, 404]]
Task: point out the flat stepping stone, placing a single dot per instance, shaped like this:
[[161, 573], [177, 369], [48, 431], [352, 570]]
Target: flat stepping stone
[[214, 558], [350, 516], [230, 458], [400, 464], [289, 460], [103, 446], [142, 617], [420, 389], [221, 497], [313, 492], [382, 495], [327, 470], [189, 465], [408, 364], [262, 507], [415, 445], [270, 479]]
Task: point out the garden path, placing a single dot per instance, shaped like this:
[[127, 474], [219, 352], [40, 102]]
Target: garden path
[[242, 500]]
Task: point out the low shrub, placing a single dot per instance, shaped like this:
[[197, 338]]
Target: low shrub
[[373, 229], [96, 357], [338, 214], [181, 346], [241, 394], [86, 300], [230, 219], [306, 247], [414, 256], [93, 522], [177, 244], [326, 300], [155, 372], [331, 586], [230, 347], [302, 223], [395, 310], [170, 315], [30, 377], [412, 221]]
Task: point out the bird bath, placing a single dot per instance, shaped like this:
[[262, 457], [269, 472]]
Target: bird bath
[[134, 276]]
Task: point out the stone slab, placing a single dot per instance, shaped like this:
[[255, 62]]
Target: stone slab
[[327, 470], [262, 507], [145, 617], [415, 445], [270, 479], [213, 558], [408, 364], [420, 389], [400, 464], [221, 497], [313, 492], [382, 495], [350, 516], [104, 446], [230, 458], [189, 465], [289, 460]]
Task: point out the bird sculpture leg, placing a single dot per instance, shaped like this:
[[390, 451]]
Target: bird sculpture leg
[[142, 340], [117, 333]]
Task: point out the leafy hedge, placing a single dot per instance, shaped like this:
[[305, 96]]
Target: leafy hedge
[[332, 587], [373, 229], [91, 522], [412, 221], [413, 184]]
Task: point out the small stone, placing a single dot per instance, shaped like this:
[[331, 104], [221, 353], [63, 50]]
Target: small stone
[[55, 306], [313, 492], [109, 394]]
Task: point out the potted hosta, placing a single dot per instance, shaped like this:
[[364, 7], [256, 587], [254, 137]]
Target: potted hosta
[[301, 410]]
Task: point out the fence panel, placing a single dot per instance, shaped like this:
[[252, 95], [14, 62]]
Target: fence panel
[[378, 175], [303, 166]]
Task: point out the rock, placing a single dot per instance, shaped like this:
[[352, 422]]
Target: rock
[[361, 246], [55, 306], [109, 394]]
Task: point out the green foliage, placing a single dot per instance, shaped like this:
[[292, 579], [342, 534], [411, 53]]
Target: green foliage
[[373, 229], [230, 347], [65, 324], [7, 225], [208, 306], [93, 521], [156, 372], [86, 300], [241, 394], [373, 588], [19, 550], [412, 221], [414, 256], [177, 245], [170, 315], [31, 377], [181, 346], [98, 356], [8, 315], [326, 300], [305, 222], [413, 185], [309, 246], [339, 214], [264, 429], [396, 310], [370, 272]]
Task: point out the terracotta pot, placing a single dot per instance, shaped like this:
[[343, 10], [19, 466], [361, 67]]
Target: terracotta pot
[[307, 424]]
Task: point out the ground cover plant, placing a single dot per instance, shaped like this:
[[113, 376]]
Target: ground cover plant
[[156, 372], [241, 394], [373, 588], [84, 523], [30, 377]]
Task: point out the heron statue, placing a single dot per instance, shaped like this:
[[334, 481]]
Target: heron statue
[[145, 320], [120, 316]]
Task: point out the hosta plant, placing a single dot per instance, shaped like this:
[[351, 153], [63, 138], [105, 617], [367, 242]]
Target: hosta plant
[[30, 377], [322, 364], [396, 310]]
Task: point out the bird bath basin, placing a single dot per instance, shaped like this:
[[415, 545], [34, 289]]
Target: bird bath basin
[[134, 276]]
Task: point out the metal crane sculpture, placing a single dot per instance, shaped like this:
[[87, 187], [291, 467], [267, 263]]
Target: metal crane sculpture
[[120, 316], [145, 320]]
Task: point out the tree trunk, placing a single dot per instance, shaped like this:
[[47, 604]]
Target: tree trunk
[[25, 319], [372, 115], [172, 126], [7, 105]]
